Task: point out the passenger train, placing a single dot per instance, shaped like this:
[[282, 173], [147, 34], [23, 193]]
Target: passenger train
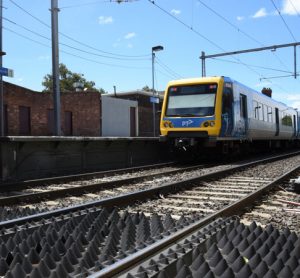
[[220, 112]]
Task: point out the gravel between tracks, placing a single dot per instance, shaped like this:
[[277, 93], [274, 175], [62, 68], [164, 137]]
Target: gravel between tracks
[[266, 171], [276, 212]]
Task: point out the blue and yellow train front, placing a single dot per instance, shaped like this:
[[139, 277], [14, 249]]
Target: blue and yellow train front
[[191, 111]]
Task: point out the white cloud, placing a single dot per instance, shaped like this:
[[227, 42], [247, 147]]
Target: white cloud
[[130, 45], [129, 35], [294, 97], [294, 101], [240, 18], [175, 12], [44, 58], [291, 7], [260, 13], [105, 19]]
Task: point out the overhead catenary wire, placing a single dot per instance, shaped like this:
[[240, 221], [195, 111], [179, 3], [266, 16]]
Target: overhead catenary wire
[[73, 47], [291, 2], [239, 30], [254, 66], [286, 25], [75, 40], [74, 55], [96, 2], [202, 36], [229, 23], [168, 69]]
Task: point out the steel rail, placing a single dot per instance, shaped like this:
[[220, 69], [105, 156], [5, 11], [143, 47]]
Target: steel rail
[[134, 197], [79, 190], [234, 209], [13, 186]]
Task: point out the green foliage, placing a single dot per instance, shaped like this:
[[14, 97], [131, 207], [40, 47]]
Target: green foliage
[[287, 120], [146, 89], [67, 80]]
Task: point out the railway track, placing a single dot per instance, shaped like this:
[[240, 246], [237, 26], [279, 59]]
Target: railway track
[[97, 188], [121, 239]]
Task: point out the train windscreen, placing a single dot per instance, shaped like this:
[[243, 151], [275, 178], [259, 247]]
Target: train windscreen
[[191, 101]]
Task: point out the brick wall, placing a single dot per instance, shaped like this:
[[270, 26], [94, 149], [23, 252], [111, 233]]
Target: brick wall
[[85, 108]]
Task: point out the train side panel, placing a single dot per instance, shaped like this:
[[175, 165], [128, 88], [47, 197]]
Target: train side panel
[[267, 119]]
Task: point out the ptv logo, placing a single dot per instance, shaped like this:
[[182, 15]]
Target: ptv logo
[[187, 123]]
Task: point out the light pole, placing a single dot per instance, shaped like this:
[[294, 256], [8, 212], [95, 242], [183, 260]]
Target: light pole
[[154, 49]]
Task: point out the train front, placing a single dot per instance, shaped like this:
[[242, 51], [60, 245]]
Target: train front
[[191, 112]]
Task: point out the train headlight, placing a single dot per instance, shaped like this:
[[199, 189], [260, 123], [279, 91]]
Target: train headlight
[[209, 123], [168, 124]]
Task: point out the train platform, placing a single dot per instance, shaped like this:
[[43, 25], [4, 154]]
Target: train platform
[[31, 157]]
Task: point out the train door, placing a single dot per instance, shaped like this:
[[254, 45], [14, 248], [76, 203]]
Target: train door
[[294, 125], [227, 112], [277, 121], [243, 114]]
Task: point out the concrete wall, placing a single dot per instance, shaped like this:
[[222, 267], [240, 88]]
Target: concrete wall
[[37, 157], [116, 116]]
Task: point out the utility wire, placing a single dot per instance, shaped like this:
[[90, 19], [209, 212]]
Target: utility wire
[[202, 36], [168, 69], [74, 40], [239, 30], [287, 27], [85, 4], [254, 66], [72, 47], [230, 23], [96, 2], [187, 26], [291, 2], [74, 55]]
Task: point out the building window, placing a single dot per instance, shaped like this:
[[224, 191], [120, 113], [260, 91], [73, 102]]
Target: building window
[[24, 120], [50, 121], [68, 123]]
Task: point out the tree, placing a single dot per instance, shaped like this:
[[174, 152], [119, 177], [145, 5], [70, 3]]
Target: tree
[[146, 89], [67, 80]]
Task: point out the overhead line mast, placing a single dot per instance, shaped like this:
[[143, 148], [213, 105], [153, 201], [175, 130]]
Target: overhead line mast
[[203, 57]]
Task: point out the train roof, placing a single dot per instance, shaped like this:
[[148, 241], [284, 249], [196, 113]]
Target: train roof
[[187, 81], [197, 79]]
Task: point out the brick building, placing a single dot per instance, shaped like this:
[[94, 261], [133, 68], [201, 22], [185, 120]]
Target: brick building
[[31, 113], [27, 112]]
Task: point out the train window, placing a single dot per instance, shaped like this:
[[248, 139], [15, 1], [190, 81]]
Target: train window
[[265, 107], [255, 109], [192, 100], [260, 112], [270, 115], [243, 106], [286, 120]]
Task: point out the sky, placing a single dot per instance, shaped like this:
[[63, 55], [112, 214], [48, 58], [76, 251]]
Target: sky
[[110, 43]]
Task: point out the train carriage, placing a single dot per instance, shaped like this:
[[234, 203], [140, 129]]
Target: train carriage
[[218, 111]]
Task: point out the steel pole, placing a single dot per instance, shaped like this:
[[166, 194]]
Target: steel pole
[[1, 80], [55, 66], [203, 64], [295, 62], [153, 104]]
